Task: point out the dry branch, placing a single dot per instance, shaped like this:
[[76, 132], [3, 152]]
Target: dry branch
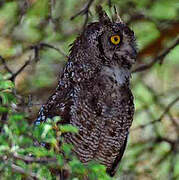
[[34, 159], [157, 45], [159, 58], [5, 65], [84, 11], [167, 109]]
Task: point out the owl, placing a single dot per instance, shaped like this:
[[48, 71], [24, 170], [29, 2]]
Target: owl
[[94, 93]]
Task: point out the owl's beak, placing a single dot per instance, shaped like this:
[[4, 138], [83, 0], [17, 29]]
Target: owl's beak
[[126, 56]]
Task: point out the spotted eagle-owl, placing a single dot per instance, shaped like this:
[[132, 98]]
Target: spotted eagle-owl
[[93, 92]]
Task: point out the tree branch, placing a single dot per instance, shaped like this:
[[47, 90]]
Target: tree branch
[[84, 11], [167, 109], [159, 58], [36, 49], [20, 170], [171, 30], [109, 3], [34, 159], [5, 65], [14, 75], [53, 47]]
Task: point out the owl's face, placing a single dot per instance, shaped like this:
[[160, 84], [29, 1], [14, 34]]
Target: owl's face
[[118, 45], [114, 41]]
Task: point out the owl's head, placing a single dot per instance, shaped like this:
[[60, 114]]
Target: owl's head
[[112, 41]]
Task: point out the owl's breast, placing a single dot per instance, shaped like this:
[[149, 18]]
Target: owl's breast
[[115, 75], [103, 113]]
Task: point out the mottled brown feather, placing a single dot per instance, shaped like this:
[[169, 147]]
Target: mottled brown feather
[[94, 93]]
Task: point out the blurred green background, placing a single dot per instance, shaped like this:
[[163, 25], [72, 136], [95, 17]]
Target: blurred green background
[[152, 151]]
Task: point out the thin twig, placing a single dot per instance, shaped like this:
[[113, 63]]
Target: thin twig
[[14, 75], [51, 7], [109, 3], [3, 120], [84, 11], [159, 58], [138, 16], [53, 47], [36, 49], [156, 99], [34, 159], [20, 170], [5, 65], [167, 109]]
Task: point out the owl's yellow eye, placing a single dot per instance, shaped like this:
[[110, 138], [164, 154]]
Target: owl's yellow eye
[[115, 39]]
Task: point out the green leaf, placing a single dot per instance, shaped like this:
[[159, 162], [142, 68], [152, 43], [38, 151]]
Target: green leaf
[[77, 167], [56, 119], [6, 85], [68, 128], [67, 148], [44, 173], [3, 109], [4, 148], [60, 160], [16, 117], [7, 97], [39, 151], [39, 9]]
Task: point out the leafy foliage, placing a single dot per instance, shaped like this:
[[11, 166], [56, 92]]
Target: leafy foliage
[[18, 153]]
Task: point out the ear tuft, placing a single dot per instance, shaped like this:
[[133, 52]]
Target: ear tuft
[[117, 18], [103, 17]]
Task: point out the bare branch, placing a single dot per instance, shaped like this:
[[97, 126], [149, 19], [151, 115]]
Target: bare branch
[[14, 75], [4, 117], [109, 3], [167, 109], [55, 48], [34, 159], [51, 7], [5, 65], [84, 11], [36, 49], [20, 170], [159, 58], [138, 16]]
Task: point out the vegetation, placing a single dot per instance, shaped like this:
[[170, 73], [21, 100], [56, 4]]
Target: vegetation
[[34, 45]]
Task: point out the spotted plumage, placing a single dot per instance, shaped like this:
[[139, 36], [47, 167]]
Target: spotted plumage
[[93, 92]]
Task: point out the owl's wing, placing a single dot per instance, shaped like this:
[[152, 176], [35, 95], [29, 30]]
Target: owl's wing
[[59, 103], [111, 171]]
